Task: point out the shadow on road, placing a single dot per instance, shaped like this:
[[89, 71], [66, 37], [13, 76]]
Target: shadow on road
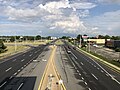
[[18, 83]]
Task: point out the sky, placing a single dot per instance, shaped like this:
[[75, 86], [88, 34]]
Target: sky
[[59, 17]]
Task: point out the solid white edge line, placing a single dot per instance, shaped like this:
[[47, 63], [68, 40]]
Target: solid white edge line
[[22, 60]]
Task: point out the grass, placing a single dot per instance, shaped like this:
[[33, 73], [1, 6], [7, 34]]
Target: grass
[[101, 57], [59, 42], [20, 46], [104, 58], [34, 43], [11, 50]]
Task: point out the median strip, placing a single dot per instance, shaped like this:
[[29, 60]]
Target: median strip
[[51, 79]]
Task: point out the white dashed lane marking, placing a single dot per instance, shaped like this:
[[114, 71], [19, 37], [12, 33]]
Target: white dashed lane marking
[[14, 60], [94, 76], [82, 78], [8, 69], [82, 63], [22, 60]]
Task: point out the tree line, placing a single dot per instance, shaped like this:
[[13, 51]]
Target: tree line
[[97, 37], [23, 38]]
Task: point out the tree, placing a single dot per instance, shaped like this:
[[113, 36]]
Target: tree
[[107, 37], [64, 37], [78, 38], [49, 37], [38, 37], [2, 46], [100, 37], [115, 37]]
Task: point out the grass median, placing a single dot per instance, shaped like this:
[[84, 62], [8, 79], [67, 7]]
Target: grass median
[[59, 42]]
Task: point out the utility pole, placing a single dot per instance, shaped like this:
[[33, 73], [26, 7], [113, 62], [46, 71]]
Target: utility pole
[[41, 35], [74, 41], [89, 45], [34, 38], [119, 56], [15, 44], [80, 41]]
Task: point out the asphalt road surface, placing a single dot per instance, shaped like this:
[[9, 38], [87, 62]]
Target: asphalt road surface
[[95, 76], [29, 78], [78, 71], [11, 66]]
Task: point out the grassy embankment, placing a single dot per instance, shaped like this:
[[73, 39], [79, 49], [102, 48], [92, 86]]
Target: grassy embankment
[[20, 46], [59, 42], [101, 57]]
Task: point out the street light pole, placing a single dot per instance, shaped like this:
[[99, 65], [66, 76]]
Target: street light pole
[[119, 56], [74, 41], [89, 45], [41, 35], [34, 39], [80, 41], [15, 44]]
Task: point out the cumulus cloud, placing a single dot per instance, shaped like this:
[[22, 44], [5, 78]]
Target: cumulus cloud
[[110, 1], [83, 5], [71, 24], [109, 21], [52, 14]]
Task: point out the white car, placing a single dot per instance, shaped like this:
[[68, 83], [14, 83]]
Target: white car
[[95, 45]]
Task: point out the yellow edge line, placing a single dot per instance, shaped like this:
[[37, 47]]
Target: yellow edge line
[[58, 75], [41, 82]]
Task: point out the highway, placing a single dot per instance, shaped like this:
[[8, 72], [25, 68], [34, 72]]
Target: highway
[[11, 66], [24, 70], [93, 74]]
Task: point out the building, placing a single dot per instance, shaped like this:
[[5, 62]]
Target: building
[[112, 44], [97, 41]]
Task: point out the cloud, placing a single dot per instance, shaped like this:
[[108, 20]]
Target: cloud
[[109, 1], [61, 15], [107, 23], [83, 5], [71, 24]]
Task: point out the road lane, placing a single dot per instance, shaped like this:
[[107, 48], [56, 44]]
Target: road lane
[[67, 72], [9, 68], [92, 69]]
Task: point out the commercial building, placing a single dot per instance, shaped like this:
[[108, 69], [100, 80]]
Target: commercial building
[[97, 41]]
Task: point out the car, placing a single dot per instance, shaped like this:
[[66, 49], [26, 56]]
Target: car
[[68, 51], [74, 48], [95, 45]]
